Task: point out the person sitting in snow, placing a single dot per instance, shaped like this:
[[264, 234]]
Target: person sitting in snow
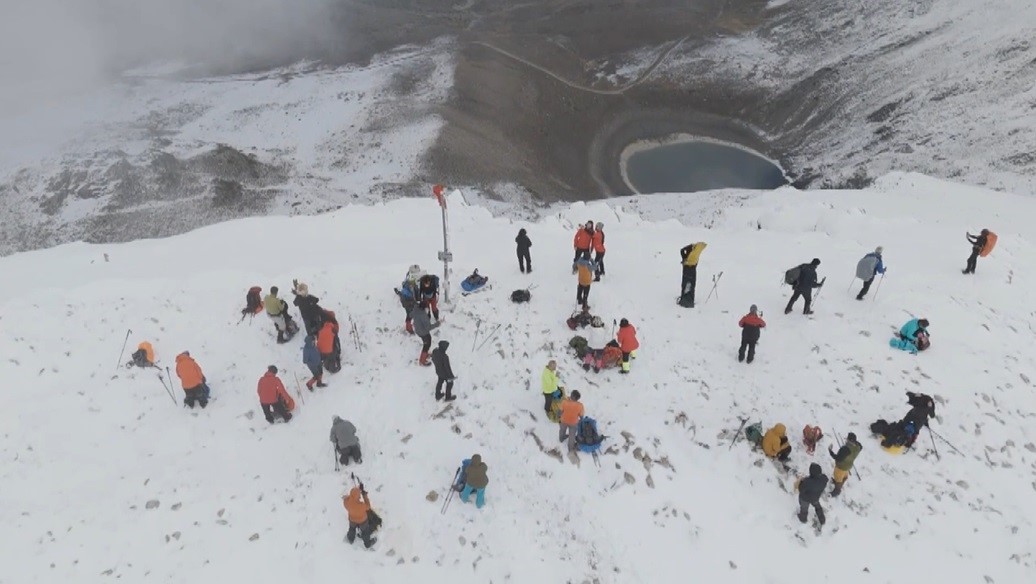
[[475, 481], [913, 337], [810, 489], [428, 292], [144, 356], [343, 436], [868, 267], [602, 350], [522, 245], [476, 281], [357, 504], [628, 343], [192, 380], [751, 325], [311, 358], [775, 443]]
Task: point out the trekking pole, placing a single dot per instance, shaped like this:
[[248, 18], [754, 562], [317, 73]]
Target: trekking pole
[[738, 433], [449, 495], [932, 436], [489, 337], [820, 289], [715, 282], [478, 325], [334, 449], [166, 387], [298, 388], [124, 341], [948, 443], [878, 288]]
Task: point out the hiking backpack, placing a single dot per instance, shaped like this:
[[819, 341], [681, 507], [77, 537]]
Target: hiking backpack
[[519, 296], [554, 415], [253, 302], [792, 275], [811, 435], [586, 434], [579, 345], [754, 433]]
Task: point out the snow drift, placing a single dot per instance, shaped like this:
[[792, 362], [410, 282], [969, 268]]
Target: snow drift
[[104, 478]]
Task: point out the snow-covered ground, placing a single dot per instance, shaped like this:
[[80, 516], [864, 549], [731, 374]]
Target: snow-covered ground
[[87, 445]]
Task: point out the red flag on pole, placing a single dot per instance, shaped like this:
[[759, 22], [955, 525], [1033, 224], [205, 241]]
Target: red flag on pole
[[437, 190]]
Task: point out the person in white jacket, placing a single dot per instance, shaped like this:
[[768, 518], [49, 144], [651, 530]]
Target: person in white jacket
[[597, 338]]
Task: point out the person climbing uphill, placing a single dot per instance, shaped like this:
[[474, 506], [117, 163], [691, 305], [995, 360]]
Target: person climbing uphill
[[523, 243], [867, 268], [347, 445], [751, 326], [192, 380], [582, 242], [844, 459], [981, 245], [775, 443], [311, 358], [571, 411], [358, 506], [444, 372], [804, 285], [476, 478], [628, 343], [810, 489], [689, 257], [598, 244]]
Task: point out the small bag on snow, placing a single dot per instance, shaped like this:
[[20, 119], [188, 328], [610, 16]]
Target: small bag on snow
[[519, 296]]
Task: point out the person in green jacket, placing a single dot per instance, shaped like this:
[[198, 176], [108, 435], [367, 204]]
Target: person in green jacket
[[844, 459], [551, 385]]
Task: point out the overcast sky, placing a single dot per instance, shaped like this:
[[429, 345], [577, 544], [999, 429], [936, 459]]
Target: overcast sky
[[51, 47]]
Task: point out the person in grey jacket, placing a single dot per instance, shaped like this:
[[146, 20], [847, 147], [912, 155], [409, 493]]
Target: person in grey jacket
[[423, 328], [867, 268], [343, 436]]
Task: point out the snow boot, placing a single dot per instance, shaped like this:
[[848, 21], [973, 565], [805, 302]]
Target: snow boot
[[802, 517], [438, 396], [321, 384], [423, 359], [807, 312], [410, 327], [837, 490]]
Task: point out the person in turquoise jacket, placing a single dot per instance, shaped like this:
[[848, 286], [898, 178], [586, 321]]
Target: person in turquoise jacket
[[913, 337]]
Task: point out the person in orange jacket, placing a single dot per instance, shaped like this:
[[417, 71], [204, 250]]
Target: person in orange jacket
[[582, 242], [751, 325], [273, 398], [598, 243], [358, 505], [571, 411], [628, 343], [193, 381]]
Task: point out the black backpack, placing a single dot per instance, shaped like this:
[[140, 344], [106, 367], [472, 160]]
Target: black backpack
[[519, 296], [792, 275]]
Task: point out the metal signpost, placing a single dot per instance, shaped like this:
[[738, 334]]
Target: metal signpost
[[445, 255]]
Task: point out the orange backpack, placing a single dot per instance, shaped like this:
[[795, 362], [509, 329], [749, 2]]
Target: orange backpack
[[990, 244]]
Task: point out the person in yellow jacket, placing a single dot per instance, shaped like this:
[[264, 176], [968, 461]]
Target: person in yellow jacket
[[551, 385], [775, 443], [689, 259]]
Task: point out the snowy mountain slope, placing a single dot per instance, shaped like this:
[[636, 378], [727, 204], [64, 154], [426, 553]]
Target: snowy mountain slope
[[850, 91], [85, 451], [158, 154]]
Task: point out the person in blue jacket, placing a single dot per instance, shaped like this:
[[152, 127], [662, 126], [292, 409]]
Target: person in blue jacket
[[913, 337], [311, 358], [868, 267]]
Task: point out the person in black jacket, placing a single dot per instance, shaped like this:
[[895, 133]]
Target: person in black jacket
[[922, 409], [804, 286], [311, 312], [523, 244], [978, 243], [810, 490], [443, 370]]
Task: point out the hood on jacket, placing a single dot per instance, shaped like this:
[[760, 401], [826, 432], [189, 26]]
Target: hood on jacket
[[780, 429], [521, 232], [815, 470], [183, 356], [753, 309], [476, 459], [302, 289], [878, 250], [335, 419], [443, 345]]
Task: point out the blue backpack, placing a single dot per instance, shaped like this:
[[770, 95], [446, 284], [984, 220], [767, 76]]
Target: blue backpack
[[587, 437], [462, 477]]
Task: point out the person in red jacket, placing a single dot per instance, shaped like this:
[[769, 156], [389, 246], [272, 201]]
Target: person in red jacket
[[628, 344], [751, 325], [582, 242], [273, 397], [598, 243]]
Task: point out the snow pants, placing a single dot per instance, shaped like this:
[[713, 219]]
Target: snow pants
[[807, 294], [276, 408], [365, 533], [599, 260], [480, 495], [866, 288], [199, 394], [567, 432], [438, 388], [972, 261], [524, 260], [689, 282], [903, 345], [349, 452], [582, 294], [804, 511], [750, 346]]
